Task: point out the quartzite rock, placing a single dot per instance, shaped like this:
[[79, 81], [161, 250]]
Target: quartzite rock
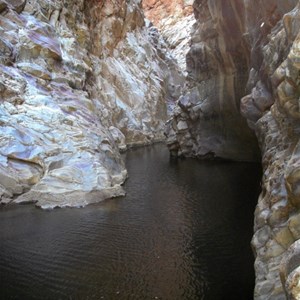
[[244, 58], [218, 66], [174, 19], [79, 80], [273, 82]]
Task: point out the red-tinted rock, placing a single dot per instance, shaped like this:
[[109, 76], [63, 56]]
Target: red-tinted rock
[[158, 10]]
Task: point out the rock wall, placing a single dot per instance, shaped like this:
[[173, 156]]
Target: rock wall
[[244, 60], [174, 19], [79, 80], [158, 11], [272, 110], [207, 120]]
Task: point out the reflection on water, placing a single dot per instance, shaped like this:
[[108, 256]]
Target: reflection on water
[[182, 232]]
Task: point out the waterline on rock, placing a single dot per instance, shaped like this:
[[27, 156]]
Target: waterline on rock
[[183, 231]]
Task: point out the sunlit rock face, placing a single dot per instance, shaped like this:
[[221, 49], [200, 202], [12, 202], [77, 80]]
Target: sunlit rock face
[[174, 19], [272, 110], [79, 80], [207, 120]]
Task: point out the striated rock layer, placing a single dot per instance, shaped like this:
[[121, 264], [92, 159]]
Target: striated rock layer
[[207, 120], [174, 19], [245, 60], [79, 80], [272, 110]]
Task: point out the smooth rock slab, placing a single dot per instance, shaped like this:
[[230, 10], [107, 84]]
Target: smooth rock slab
[[69, 199]]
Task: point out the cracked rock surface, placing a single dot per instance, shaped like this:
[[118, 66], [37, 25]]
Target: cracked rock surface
[[79, 81], [244, 63], [272, 110], [207, 120]]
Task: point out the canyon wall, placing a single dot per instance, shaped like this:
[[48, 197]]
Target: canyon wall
[[79, 81], [272, 110], [244, 61], [207, 121], [174, 19]]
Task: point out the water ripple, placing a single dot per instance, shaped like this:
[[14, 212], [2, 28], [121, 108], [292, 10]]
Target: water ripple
[[182, 232]]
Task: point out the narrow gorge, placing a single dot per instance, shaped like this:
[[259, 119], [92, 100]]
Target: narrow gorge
[[84, 82]]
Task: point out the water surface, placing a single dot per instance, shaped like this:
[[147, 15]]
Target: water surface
[[182, 232]]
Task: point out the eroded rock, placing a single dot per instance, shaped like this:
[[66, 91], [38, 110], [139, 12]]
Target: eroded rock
[[244, 60], [218, 66], [80, 80], [271, 109], [174, 19]]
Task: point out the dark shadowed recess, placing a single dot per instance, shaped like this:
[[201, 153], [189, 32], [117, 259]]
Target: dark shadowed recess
[[182, 232]]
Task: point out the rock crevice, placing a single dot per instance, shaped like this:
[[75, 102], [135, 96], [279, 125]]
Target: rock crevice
[[82, 80], [217, 66], [243, 67]]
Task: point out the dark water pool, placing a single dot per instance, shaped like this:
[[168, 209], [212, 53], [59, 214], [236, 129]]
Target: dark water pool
[[182, 232]]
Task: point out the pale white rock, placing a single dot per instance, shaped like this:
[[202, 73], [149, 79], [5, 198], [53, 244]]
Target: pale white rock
[[78, 83], [182, 125], [174, 20], [118, 137]]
